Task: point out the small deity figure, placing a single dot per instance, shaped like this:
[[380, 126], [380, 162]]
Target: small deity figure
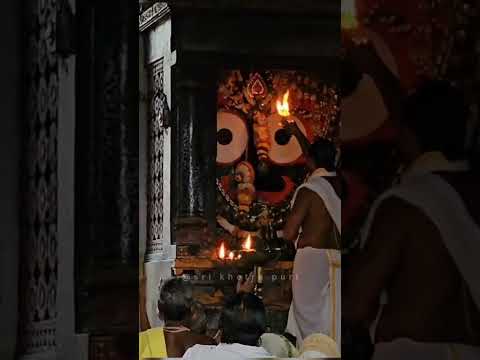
[[245, 178]]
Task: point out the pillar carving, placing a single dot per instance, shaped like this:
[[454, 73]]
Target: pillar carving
[[158, 122]]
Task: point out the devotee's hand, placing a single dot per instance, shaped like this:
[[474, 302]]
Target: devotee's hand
[[218, 337], [247, 285], [232, 229], [222, 221]]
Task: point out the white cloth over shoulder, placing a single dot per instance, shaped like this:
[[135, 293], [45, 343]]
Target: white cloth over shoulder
[[441, 203], [326, 192], [225, 351], [316, 282]]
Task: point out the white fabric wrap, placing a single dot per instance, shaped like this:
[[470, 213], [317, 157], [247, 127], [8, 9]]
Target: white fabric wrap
[[316, 283]]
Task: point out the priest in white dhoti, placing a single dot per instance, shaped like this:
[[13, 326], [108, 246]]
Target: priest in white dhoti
[[314, 225], [416, 282]]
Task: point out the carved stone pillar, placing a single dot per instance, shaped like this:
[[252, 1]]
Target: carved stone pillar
[[158, 121], [193, 170]]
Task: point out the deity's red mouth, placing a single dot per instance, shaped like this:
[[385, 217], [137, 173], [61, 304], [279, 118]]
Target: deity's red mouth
[[269, 197]]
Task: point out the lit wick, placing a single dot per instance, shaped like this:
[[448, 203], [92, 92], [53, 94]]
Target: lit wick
[[283, 109], [247, 245], [221, 252], [231, 255]]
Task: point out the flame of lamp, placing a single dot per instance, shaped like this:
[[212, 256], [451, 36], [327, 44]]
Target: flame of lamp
[[221, 251], [283, 108], [231, 255], [247, 245]]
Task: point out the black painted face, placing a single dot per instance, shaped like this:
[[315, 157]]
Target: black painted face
[[236, 142], [249, 127]]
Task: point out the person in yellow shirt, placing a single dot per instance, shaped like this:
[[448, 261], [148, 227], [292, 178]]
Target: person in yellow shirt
[[176, 305]]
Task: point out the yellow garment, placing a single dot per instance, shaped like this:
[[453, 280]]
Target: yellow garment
[[152, 344]]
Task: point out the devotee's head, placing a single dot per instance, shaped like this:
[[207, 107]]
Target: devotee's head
[[176, 301], [198, 321], [435, 118], [322, 154], [243, 320]]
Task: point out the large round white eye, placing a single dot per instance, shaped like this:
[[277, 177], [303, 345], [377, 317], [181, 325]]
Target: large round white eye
[[285, 149], [232, 137], [364, 111]]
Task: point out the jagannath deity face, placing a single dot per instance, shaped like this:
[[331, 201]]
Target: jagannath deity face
[[250, 133]]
